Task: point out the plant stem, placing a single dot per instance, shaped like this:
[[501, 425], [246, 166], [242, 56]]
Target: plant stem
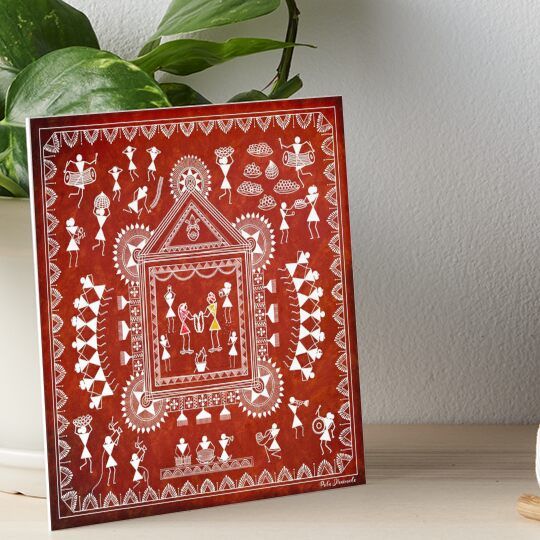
[[284, 66], [15, 189]]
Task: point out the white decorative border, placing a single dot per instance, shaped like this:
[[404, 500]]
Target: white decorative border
[[189, 491]]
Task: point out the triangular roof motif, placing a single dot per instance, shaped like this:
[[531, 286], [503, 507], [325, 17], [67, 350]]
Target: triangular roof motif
[[211, 228]]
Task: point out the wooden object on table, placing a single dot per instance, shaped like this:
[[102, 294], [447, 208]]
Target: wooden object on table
[[529, 506]]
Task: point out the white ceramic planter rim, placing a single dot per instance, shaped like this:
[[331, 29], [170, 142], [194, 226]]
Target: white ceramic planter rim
[[22, 458]]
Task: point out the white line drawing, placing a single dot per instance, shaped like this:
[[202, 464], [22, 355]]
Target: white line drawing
[[182, 453], [140, 472], [215, 327], [190, 173], [185, 315], [224, 442], [83, 174], [201, 363], [271, 172], [83, 429], [90, 364], [157, 195], [102, 212], [233, 353], [77, 502], [111, 441], [227, 305], [261, 149], [313, 217], [129, 151], [294, 405], [138, 204], [76, 234], [286, 187], [284, 226], [165, 355], [117, 188], [154, 153], [205, 451], [302, 286], [252, 171], [298, 159], [250, 189], [224, 160], [324, 426], [171, 315], [267, 202], [141, 413], [269, 441]]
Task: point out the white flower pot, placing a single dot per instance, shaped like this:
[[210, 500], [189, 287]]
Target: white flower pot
[[22, 462]]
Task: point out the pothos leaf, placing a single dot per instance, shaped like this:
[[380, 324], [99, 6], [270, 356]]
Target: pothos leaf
[[287, 89], [181, 94], [184, 16], [31, 28], [187, 56], [250, 95], [68, 81]]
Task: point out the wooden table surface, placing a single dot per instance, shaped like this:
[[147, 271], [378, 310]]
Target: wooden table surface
[[424, 482]]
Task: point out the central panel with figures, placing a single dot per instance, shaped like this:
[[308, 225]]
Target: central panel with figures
[[197, 301]]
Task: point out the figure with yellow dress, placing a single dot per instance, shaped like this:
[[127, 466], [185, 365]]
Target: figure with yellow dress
[[211, 311]]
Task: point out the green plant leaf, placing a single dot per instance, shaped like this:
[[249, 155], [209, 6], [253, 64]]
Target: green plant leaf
[[31, 28], [287, 89], [184, 16], [150, 46], [181, 94], [250, 95], [187, 56], [69, 81]]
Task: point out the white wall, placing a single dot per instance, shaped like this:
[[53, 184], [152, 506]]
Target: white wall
[[443, 126]]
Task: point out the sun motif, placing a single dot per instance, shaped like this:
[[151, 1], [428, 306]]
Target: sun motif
[[189, 173], [264, 397], [127, 247], [140, 413], [257, 230]]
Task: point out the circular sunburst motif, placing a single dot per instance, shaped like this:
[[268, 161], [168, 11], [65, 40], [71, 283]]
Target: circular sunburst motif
[[140, 413], [264, 397], [256, 229], [129, 243], [190, 173]]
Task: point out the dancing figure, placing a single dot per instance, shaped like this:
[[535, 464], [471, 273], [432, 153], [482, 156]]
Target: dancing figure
[[165, 355], [227, 304], [224, 442], [297, 158], [284, 226], [154, 153], [233, 353], [294, 405], [138, 204], [313, 217], [140, 472], [83, 174], [270, 443], [76, 234], [324, 427], [171, 315], [130, 152], [117, 188], [111, 441]]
